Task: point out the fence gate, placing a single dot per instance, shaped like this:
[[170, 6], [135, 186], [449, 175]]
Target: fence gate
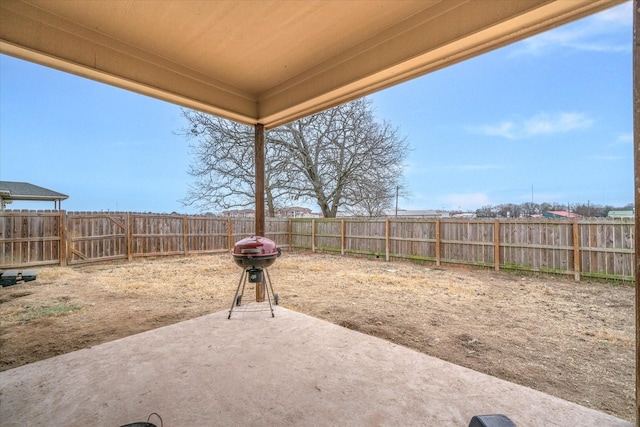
[[30, 238], [96, 237]]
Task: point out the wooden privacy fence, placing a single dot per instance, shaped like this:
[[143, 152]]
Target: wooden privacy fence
[[589, 248], [32, 238]]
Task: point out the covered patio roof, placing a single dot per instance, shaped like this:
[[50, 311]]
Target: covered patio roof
[[268, 62]]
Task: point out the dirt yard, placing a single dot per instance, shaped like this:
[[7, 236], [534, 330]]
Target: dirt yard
[[572, 340]]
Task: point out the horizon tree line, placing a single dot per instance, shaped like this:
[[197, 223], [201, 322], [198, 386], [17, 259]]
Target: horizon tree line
[[528, 209]]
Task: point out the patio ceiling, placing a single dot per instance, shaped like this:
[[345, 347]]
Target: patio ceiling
[[268, 62]]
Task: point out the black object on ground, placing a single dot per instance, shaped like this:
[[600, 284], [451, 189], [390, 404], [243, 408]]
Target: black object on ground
[[495, 420], [12, 277]]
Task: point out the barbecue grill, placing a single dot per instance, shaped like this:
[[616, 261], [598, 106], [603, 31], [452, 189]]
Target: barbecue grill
[[254, 255]]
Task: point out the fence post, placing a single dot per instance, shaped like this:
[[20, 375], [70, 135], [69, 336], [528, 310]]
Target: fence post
[[64, 244], [496, 244], [229, 234], [313, 235], [387, 233], [185, 234], [437, 242], [130, 236], [343, 237], [576, 250]]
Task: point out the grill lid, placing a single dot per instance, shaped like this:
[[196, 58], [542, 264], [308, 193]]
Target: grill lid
[[255, 246]]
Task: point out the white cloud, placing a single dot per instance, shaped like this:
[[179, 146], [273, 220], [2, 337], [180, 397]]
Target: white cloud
[[540, 124], [504, 129], [624, 138], [619, 16], [598, 33], [620, 141], [560, 123]]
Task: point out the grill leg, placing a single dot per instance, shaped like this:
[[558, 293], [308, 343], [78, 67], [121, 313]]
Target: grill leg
[[269, 289], [240, 283]]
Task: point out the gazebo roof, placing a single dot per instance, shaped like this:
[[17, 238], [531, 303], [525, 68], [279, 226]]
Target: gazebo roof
[[10, 191]]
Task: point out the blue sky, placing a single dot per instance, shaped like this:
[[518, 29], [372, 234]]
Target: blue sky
[[548, 119]]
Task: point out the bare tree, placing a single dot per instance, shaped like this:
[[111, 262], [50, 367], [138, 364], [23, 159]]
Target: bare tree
[[341, 157], [530, 209], [487, 211], [373, 196], [223, 165]]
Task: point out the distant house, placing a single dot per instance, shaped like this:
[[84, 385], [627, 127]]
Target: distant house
[[464, 215], [293, 212], [621, 214], [560, 214], [11, 191], [402, 213], [239, 213]]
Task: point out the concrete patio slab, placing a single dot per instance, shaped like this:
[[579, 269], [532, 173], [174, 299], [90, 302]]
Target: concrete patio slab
[[255, 370]]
